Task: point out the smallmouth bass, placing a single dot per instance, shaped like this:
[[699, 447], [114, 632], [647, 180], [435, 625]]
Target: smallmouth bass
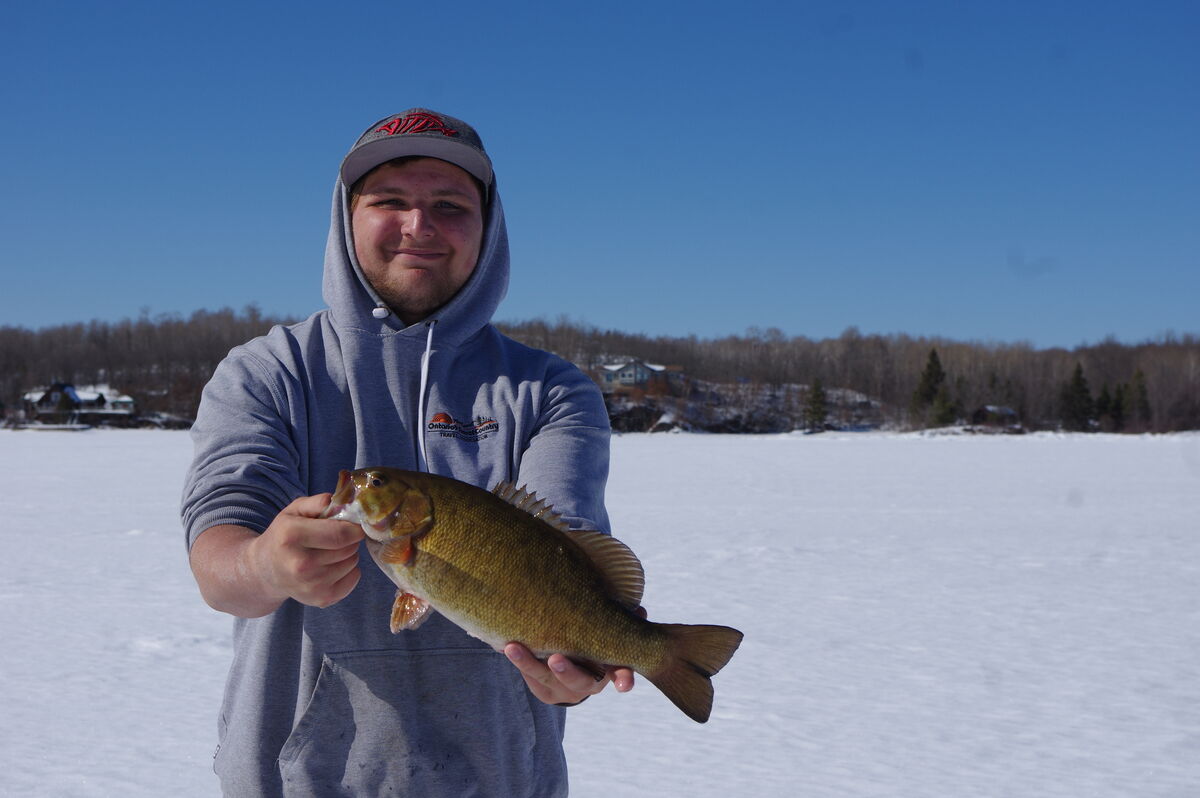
[[503, 567]]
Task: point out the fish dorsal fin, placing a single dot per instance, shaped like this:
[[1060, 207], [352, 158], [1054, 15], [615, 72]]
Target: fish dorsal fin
[[530, 503], [620, 566]]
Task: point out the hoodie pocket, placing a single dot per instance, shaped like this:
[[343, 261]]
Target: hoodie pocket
[[434, 722]]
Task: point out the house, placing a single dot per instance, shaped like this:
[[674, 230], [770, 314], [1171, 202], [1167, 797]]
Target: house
[[627, 376], [93, 404], [996, 416]]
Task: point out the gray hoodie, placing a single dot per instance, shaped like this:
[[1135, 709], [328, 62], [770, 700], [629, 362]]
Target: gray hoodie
[[329, 701]]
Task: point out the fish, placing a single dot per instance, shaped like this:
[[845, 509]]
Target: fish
[[503, 566]]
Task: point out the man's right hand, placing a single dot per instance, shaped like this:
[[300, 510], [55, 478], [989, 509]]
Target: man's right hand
[[301, 556], [311, 559]]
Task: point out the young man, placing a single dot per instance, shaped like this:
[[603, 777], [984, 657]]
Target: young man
[[402, 369]]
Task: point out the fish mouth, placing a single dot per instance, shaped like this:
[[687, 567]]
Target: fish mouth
[[344, 506], [336, 511], [376, 531], [347, 504], [379, 531], [343, 497]]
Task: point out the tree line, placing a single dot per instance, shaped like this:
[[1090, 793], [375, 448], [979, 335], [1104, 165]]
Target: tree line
[[163, 363], [1162, 374]]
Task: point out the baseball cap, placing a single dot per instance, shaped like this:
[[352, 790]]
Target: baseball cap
[[418, 131]]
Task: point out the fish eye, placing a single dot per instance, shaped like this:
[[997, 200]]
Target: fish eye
[[377, 481]]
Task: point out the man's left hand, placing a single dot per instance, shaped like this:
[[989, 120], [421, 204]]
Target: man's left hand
[[558, 680]]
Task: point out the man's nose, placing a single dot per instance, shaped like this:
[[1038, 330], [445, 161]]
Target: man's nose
[[416, 224]]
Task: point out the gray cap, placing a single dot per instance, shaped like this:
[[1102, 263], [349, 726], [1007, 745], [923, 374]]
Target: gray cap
[[418, 131]]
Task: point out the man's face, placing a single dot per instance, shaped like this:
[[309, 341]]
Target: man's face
[[417, 232]]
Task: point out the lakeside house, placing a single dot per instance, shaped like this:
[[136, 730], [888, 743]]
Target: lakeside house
[[633, 375], [64, 403]]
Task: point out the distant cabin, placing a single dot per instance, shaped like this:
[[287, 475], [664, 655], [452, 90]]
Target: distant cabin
[[63, 402], [637, 375], [996, 416]]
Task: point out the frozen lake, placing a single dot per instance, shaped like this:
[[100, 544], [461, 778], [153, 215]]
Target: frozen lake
[[924, 616]]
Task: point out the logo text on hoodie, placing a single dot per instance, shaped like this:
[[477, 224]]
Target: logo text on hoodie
[[481, 428]]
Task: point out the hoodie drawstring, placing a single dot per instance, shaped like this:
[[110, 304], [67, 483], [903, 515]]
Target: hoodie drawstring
[[424, 459]]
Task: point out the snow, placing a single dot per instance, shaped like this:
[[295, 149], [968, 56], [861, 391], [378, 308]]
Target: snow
[[924, 616]]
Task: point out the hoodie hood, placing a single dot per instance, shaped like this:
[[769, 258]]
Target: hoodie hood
[[353, 301]]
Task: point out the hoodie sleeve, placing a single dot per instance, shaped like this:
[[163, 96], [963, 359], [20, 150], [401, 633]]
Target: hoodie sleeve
[[567, 456], [246, 465]]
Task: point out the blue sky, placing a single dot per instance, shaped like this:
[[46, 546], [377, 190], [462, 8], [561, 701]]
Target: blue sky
[[1004, 172]]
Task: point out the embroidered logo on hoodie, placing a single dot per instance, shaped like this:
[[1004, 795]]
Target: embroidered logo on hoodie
[[447, 426], [417, 123]]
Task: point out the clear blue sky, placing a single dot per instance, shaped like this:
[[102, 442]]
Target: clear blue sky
[[1025, 171]]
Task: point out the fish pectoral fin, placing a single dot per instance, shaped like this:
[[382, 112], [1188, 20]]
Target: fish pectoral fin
[[398, 552], [408, 611]]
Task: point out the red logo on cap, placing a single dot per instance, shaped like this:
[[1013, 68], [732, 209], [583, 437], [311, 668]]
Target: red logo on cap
[[417, 123]]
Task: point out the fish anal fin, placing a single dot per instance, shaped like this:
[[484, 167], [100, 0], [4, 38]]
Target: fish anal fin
[[594, 668], [620, 566], [408, 611]]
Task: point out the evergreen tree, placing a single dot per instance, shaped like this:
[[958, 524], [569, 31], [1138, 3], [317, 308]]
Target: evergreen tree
[[1104, 402], [816, 408], [1118, 411], [1076, 402], [932, 381], [945, 409], [1139, 401], [1112, 410], [1104, 408]]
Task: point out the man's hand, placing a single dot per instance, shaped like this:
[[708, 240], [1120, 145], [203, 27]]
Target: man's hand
[[558, 680], [300, 555]]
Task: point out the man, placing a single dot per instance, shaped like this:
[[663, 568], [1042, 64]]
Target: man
[[402, 369]]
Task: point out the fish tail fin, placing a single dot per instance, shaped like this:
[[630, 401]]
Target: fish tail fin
[[694, 654]]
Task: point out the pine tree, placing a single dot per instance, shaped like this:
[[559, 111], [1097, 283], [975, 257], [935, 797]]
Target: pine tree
[[1076, 402], [1104, 401], [932, 381], [1139, 401], [1118, 409], [816, 408], [1103, 408], [945, 409]]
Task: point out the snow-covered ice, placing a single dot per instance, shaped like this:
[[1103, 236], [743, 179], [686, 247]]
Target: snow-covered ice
[[924, 616]]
